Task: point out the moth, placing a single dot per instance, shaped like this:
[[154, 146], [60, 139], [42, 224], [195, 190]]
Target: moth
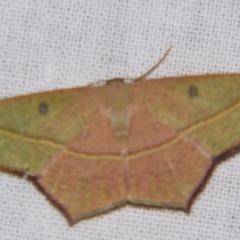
[[91, 149]]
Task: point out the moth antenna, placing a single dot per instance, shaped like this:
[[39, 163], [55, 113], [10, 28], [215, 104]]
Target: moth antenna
[[142, 77]]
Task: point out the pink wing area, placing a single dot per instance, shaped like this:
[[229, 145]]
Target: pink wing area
[[89, 184], [146, 132], [96, 137], [169, 176], [83, 187]]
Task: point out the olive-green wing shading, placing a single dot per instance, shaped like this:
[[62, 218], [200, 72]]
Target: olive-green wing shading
[[206, 110], [189, 122], [35, 127]]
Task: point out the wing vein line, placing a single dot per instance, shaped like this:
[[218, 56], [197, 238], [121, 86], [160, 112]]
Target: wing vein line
[[181, 134]]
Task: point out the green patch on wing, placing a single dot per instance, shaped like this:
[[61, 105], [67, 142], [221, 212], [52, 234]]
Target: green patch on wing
[[24, 155], [57, 116]]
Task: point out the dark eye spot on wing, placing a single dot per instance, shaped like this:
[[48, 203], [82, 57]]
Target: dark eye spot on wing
[[192, 91], [43, 108]]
